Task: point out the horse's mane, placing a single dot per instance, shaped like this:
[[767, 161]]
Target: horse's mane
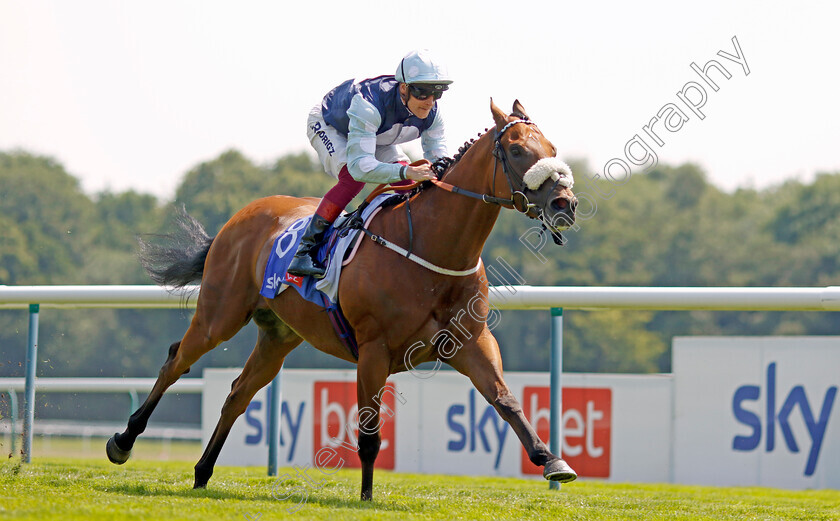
[[442, 165]]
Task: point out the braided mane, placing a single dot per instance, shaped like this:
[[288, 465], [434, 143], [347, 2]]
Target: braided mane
[[442, 165]]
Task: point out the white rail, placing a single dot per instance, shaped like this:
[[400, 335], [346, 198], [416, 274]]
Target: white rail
[[503, 297], [673, 299], [19, 297], [101, 385]]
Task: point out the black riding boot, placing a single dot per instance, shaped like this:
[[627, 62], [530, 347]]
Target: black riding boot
[[305, 261]]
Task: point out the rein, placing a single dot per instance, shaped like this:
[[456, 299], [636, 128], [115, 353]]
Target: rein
[[443, 186], [490, 199], [499, 156]]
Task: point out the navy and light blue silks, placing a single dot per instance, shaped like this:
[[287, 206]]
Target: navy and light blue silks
[[370, 121], [383, 93]]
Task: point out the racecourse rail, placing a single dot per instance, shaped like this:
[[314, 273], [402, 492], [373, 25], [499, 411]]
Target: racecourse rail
[[503, 297], [554, 299]]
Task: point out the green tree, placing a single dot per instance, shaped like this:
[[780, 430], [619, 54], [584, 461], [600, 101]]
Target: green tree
[[49, 212]]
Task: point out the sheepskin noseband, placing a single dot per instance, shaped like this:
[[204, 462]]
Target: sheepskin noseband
[[548, 167]]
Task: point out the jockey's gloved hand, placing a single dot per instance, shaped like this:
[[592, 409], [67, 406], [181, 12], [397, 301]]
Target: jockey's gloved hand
[[420, 171]]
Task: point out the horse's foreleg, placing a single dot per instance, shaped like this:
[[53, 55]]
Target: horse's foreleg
[[482, 363], [554, 468], [371, 378], [262, 366]]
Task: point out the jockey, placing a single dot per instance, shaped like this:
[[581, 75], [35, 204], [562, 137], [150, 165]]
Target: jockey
[[356, 130]]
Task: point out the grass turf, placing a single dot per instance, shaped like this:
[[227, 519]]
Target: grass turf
[[70, 489]]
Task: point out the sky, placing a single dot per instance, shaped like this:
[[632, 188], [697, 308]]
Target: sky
[[131, 95]]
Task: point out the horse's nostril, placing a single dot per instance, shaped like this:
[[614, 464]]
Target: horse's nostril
[[560, 204]]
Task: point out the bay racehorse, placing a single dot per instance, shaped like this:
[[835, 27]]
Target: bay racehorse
[[391, 302]]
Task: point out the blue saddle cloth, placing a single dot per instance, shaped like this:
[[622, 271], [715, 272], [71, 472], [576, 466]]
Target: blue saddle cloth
[[283, 251]]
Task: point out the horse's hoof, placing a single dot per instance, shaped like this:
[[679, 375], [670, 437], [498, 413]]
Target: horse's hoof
[[202, 476], [559, 470], [116, 454]]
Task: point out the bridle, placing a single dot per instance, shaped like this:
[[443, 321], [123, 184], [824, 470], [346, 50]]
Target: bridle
[[518, 197]]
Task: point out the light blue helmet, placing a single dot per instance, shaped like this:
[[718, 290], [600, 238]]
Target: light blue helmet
[[418, 67]]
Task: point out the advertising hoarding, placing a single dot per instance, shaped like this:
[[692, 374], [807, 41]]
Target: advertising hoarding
[[443, 425]]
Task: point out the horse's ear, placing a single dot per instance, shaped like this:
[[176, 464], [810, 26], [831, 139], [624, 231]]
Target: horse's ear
[[519, 110], [498, 116]]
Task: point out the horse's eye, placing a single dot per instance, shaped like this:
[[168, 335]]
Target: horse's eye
[[515, 151]]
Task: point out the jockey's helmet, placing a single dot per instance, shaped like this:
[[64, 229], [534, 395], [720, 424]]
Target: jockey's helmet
[[419, 68]]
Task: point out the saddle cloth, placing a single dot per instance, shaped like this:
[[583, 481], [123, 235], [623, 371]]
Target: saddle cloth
[[334, 250]]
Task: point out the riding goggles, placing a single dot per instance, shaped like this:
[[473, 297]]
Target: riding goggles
[[422, 92]]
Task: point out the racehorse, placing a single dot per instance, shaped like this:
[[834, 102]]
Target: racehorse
[[390, 302]]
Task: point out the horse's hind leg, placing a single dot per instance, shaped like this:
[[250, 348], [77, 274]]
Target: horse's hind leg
[[482, 363], [275, 341], [219, 315]]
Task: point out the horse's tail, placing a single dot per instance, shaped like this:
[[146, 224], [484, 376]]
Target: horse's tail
[[176, 259]]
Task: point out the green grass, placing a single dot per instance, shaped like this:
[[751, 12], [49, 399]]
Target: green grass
[[70, 489]]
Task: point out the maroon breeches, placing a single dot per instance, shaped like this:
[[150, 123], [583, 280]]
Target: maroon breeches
[[341, 194]]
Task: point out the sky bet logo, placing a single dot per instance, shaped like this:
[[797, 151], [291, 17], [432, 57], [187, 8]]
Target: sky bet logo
[[475, 426], [336, 426], [587, 427], [796, 397]]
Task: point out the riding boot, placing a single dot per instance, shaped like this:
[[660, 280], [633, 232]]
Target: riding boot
[[305, 261]]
